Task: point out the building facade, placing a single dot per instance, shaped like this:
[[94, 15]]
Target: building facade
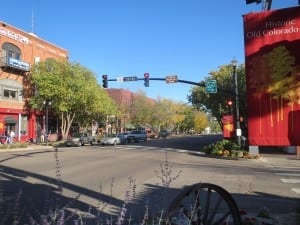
[[122, 97], [20, 50], [125, 101]]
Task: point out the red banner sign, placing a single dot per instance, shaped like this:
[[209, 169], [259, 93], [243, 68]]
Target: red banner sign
[[272, 52], [228, 126]]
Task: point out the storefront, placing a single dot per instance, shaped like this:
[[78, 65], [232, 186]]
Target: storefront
[[13, 120]]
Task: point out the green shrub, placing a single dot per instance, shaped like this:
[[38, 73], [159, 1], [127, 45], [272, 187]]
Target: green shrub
[[14, 145], [219, 147]]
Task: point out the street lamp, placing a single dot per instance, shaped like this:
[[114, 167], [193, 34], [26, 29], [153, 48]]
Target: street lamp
[[46, 105], [237, 107]]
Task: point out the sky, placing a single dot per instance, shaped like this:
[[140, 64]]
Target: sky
[[124, 38]]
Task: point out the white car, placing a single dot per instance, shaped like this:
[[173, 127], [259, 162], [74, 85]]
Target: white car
[[80, 139], [114, 139]]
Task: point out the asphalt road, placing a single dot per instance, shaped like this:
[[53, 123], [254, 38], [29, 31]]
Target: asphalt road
[[104, 176]]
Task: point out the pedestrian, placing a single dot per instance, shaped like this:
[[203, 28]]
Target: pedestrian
[[11, 136], [42, 136]]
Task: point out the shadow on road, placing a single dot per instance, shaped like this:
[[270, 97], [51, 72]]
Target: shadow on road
[[27, 196]]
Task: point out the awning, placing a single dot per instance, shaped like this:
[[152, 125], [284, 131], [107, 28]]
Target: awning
[[10, 120]]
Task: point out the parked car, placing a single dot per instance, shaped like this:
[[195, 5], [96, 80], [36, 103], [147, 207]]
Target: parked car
[[137, 135], [164, 134], [114, 139], [125, 134], [80, 139]]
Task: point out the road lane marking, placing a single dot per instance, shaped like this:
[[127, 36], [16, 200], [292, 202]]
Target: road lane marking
[[290, 181], [297, 190], [273, 167], [288, 174]]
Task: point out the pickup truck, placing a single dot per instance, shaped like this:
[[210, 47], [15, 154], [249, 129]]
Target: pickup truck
[[81, 139], [137, 135]]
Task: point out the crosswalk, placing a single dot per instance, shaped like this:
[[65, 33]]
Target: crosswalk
[[151, 148], [291, 176], [137, 147]]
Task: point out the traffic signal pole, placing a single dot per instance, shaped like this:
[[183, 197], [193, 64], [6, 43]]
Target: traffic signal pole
[[200, 84]]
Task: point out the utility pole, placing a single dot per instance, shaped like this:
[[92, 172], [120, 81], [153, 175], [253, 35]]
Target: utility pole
[[237, 106]]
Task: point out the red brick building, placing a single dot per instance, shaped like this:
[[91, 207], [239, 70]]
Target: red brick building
[[122, 97], [125, 100], [19, 50]]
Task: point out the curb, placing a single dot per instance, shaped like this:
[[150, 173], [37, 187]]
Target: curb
[[28, 148]]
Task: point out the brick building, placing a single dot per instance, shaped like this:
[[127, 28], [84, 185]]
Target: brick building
[[122, 97], [19, 50], [125, 100]]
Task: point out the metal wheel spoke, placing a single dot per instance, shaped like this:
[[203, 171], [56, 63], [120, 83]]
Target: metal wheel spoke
[[203, 204], [196, 213], [207, 205], [214, 211], [222, 219]]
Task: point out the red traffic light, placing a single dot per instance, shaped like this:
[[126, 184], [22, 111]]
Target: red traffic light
[[229, 102], [146, 79]]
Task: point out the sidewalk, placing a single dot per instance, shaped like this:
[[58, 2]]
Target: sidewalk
[[28, 148], [281, 159]]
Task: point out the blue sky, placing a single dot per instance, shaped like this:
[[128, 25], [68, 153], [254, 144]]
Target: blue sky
[[187, 38]]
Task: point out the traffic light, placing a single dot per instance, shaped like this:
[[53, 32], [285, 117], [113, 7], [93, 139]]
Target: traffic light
[[104, 81], [252, 1], [146, 79], [229, 105]]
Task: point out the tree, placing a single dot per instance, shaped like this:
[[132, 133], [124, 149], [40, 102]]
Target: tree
[[166, 114], [200, 121], [141, 109], [217, 103], [188, 123], [73, 91]]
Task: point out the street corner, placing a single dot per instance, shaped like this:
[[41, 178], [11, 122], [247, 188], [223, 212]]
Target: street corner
[[23, 147]]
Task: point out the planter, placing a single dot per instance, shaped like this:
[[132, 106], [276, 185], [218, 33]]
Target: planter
[[240, 154]]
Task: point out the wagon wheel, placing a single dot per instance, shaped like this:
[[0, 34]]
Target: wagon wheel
[[203, 204]]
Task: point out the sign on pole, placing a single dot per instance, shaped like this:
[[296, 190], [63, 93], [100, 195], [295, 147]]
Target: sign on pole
[[134, 78], [120, 79], [228, 126], [171, 79], [211, 86]]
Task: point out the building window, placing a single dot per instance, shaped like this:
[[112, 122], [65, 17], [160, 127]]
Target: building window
[[11, 90], [10, 94], [11, 51]]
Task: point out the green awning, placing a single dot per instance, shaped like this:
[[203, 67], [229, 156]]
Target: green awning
[[10, 120]]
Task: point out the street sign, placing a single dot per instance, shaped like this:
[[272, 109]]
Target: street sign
[[211, 86], [134, 78], [120, 79], [171, 79]]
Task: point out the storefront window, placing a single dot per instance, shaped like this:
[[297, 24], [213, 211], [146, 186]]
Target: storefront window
[[24, 125]]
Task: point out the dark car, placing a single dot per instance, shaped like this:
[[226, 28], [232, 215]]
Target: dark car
[[164, 134], [137, 135]]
